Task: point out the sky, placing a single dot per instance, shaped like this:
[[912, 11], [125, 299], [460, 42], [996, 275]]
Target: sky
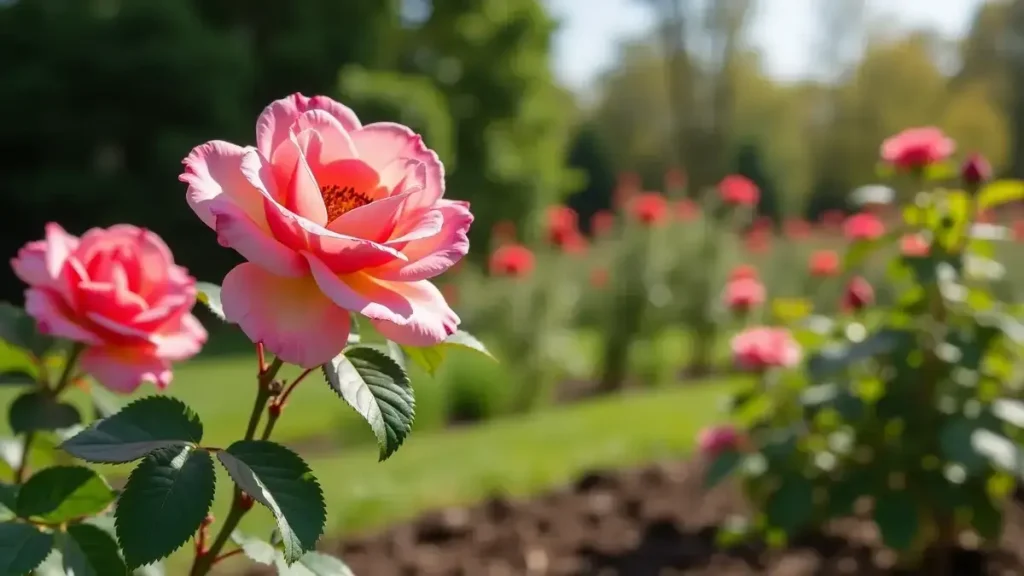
[[587, 42]]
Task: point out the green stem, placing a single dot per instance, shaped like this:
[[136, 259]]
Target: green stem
[[62, 384], [205, 559]]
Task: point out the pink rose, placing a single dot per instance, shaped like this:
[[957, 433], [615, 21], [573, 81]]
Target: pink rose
[[714, 440], [739, 190], [762, 348], [118, 292], [743, 294], [333, 217], [916, 148], [863, 226], [858, 295]]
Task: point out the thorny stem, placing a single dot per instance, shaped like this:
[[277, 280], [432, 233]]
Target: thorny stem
[[241, 503], [62, 384], [279, 402]]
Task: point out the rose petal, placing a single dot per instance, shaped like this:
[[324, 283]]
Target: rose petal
[[52, 315], [213, 171], [238, 231], [360, 293], [333, 144], [382, 143], [295, 177], [123, 369], [290, 316], [432, 320], [59, 245], [183, 343], [30, 264], [374, 221], [429, 257], [276, 120]]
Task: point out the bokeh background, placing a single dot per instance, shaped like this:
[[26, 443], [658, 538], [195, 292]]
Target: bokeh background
[[531, 104]]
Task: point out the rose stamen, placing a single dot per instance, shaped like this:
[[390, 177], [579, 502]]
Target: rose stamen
[[341, 199]]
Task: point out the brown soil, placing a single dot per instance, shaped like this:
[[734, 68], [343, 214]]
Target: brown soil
[[655, 521]]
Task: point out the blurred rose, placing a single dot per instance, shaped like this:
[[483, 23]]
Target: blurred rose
[[512, 260], [333, 217], [504, 232], [602, 223], [738, 190], [824, 263], [1018, 230], [975, 171], [687, 210], [599, 277], [743, 271], [761, 348], [916, 148], [714, 440], [858, 295], [797, 229], [743, 294], [758, 240], [913, 245], [863, 226], [118, 292], [573, 243], [649, 208]]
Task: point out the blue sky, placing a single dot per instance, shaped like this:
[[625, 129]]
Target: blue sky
[[591, 30]]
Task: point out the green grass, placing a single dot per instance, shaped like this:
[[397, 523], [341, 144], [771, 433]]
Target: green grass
[[516, 457]]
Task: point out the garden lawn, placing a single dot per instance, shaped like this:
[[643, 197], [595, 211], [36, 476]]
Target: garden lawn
[[514, 456]]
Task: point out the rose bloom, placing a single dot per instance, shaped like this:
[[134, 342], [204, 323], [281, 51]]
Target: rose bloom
[[913, 245], [627, 186], [333, 217], [1018, 230], [573, 244], [743, 271], [512, 260], [738, 190], [687, 210], [743, 294], [863, 226], [761, 348], [118, 292], [649, 208], [916, 148], [976, 170], [602, 223], [758, 240], [714, 440], [858, 295], [824, 263], [561, 223]]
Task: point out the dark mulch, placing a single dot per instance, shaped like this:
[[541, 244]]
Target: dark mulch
[[655, 521]]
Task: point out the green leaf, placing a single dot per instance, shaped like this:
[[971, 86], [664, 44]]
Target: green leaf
[[280, 480], [986, 516], [833, 359], [143, 426], [430, 358], [313, 564], [19, 330], [63, 493], [860, 251], [257, 550], [18, 377], [792, 505], [379, 390], [843, 495], [1000, 192], [955, 440], [22, 548], [723, 465], [165, 500], [8, 500], [897, 519], [209, 295], [89, 551], [39, 411]]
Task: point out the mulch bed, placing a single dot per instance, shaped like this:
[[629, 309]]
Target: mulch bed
[[654, 521]]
